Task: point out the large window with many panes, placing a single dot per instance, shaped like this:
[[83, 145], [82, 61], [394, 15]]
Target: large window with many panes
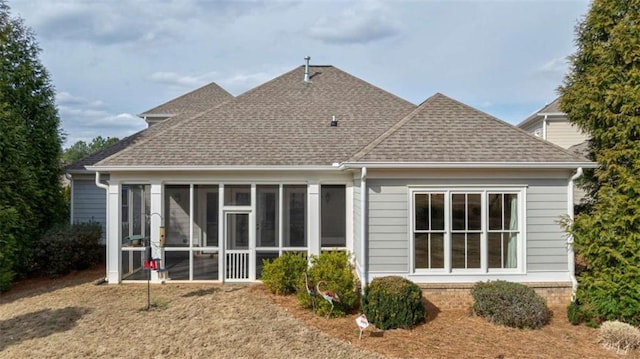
[[471, 230]]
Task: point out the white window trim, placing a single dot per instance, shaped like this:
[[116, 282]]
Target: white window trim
[[520, 190]]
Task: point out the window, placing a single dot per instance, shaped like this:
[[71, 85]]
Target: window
[[333, 216], [475, 230]]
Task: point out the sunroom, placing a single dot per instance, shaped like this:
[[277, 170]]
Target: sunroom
[[221, 231]]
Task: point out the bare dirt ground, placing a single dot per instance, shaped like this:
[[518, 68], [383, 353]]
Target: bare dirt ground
[[71, 317]]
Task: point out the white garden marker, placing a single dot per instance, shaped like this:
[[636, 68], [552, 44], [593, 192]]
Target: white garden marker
[[363, 323]]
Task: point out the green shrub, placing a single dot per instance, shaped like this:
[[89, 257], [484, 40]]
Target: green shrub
[[393, 302], [619, 336], [283, 274], [574, 315], [511, 304], [69, 247], [9, 219], [334, 269]]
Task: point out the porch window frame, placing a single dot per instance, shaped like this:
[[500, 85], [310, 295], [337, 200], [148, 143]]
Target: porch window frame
[[484, 191]]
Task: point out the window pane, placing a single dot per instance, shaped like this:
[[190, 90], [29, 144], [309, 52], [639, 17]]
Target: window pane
[[458, 212], [421, 255], [437, 211], [295, 215], [495, 211], [473, 250], [267, 215], [237, 195], [496, 250], [177, 215], [437, 250], [474, 212], [458, 250], [511, 250], [333, 216], [511, 212], [422, 211]]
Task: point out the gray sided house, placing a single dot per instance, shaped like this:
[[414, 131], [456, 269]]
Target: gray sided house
[[317, 159]]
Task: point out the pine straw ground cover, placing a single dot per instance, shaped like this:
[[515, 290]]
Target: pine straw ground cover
[[71, 317]]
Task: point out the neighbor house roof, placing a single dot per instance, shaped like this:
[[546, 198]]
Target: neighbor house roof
[[284, 122], [443, 130], [196, 101], [551, 109], [181, 108]]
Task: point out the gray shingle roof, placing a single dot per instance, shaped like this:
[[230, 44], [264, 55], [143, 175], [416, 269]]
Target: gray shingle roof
[[195, 101], [282, 122], [204, 98], [553, 107], [444, 130]]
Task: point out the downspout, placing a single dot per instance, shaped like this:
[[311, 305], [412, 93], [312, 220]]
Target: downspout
[[70, 179], [363, 227], [106, 234], [570, 252], [544, 128]]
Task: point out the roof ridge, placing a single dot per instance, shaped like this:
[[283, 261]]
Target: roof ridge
[[391, 130], [535, 114], [218, 87]]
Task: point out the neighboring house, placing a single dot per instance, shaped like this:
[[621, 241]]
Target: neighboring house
[[317, 159], [551, 124], [88, 202]]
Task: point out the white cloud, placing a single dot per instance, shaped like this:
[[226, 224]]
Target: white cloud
[[186, 81], [366, 22]]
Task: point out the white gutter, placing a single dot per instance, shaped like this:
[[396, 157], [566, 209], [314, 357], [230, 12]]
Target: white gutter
[[544, 127], [466, 165], [363, 227], [209, 168], [571, 259], [106, 234]]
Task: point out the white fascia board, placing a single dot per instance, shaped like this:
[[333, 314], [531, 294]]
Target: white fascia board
[[551, 114], [208, 168], [154, 115], [468, 165]]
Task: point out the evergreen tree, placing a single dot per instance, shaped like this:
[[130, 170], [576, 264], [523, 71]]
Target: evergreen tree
[[30, 142], [601, 95]]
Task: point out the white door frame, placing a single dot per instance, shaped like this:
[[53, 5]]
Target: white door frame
[[243, 260]]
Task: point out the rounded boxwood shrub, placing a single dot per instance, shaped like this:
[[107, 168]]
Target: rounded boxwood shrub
[[282, 275], [393, 302], [336, 273], [69, 247], [511, 304]]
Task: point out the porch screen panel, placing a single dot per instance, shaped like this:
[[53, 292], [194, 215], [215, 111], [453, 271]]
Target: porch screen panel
[[295, 216], [267, 218], [333, 216], [177, 215], [205, 216], [429, 230]]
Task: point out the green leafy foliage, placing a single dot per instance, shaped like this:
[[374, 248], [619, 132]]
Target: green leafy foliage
[[283, 274], [393, 302], [69, 247], [600, 96], [82, 149], [511, 304], [9, 219], [336, 274], [30, 144]]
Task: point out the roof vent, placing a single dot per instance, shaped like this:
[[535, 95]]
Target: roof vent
[[306, 68], [334, 122]]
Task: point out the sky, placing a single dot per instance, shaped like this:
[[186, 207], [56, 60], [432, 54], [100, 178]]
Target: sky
[[111, 60]]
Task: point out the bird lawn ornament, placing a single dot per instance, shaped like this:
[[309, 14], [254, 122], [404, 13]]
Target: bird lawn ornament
[[328, 295], [310, 290], [363, 323]]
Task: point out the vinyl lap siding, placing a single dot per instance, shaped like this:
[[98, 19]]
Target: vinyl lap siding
[[389, 221], [546, 242], [388, 226], [357, 220], [563, 134], [89, 203]]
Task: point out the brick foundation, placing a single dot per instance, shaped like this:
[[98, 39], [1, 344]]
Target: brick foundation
[[457, 295]]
